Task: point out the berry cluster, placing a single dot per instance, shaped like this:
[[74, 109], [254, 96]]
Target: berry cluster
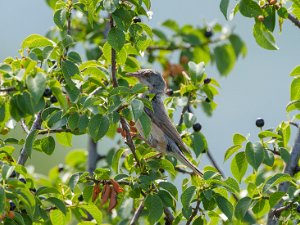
[[48, 94], [133, 129]]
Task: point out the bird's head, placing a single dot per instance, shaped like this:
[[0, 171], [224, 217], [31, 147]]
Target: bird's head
[[152, 79]]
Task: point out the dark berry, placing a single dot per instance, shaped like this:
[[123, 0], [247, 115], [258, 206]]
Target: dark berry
[[61, 167], [12, 206], [53, 99], [136, 19], [80, 198], [208, 33], [197, 127], [260, 122], [207, 81], [22, 180], [47, 93], [13, 174], [169, 92], [298, 208], [207, 100]]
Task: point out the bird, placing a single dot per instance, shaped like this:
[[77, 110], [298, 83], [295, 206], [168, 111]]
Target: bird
[[163, 135]]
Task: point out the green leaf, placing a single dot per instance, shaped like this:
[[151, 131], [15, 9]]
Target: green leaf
[[199, 143], [7, 170], [170, 188], [57, 217], [189, 119], [36, 85], [238, 45], [93, 211], [187, 196], [295, 71], [293, 105], [74, 180], [69, 69], [116, 38], [48, 145], [270, 19], [116, 159], [275, 180], [64, 139], [285, 155], [36, 41], [168, 166], [29, 142], [58, 203], [242, 207], [295, 89], [60, 18], [249, 8], [232, 184], [98, 126], [110, 5], [254, 154], [155, 207], [225, 58], [239, 166], [267, 133], [196, 69], [225, 206], [231, 150], [261, 208], [238, 139], [275, 198], [131, 64], [268, 158], [282, 12], [171, 24], [166, 198], [263, 37], [76, 158], [137, 108], [224, 7]]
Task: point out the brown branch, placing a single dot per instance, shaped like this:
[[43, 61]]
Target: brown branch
[[213, 161], [194, 213], [125, 127], [137, 214], [183, 171]]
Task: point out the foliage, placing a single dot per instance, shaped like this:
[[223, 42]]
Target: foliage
[[55, 93]]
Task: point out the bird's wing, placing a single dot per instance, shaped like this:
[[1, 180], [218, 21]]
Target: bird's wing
[[160, 117]]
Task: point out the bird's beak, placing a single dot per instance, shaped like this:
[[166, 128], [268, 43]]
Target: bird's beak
[[134, 74]]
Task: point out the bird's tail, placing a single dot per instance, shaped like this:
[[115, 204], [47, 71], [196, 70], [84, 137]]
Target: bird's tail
[[182, 158]]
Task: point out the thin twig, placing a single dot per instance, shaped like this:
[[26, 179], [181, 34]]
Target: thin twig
[[294, 124], [35, 126], [213, 161], [24, 126], [137, 214], [183, 171], [46, 131], [184, 110], [8, 89], [169, 216]]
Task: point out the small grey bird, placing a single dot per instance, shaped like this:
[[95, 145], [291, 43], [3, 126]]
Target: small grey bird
[[163, 136]]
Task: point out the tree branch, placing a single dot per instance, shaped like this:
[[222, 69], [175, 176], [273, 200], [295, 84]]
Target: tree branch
[[194, 213], [213, 161], [137, 214], [92, 156], [24, 126], [291, 168], [35, 126], [125, 127], [294, 20], [46, 131]]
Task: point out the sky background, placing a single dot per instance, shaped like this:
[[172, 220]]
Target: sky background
[[258, 86]]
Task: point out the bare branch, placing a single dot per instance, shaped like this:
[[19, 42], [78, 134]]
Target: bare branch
[[194, 213], [213, 161], [294, 20], [7, 89], [35, 126], [291, 168], [92, 156], [183, 171], [169, 216], [137, 214], [46, 131]]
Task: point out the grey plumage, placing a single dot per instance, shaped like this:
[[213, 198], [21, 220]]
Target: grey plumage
[[163, 136]]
